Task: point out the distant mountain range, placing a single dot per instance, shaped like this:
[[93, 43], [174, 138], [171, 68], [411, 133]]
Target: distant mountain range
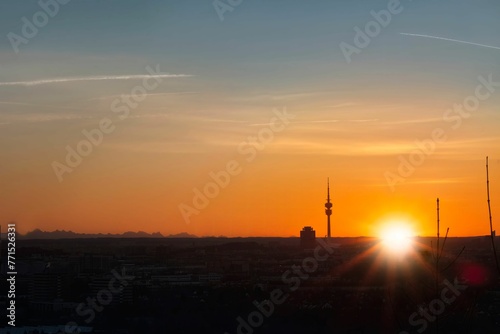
[[62, 234]]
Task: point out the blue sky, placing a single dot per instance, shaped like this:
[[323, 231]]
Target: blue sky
[[264, 55]]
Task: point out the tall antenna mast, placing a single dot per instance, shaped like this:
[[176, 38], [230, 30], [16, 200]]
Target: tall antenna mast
[[492, 233], [437, 262], [437, 249], [328, 208]]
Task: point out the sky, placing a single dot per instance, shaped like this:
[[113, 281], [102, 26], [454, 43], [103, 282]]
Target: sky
[[269, 97]]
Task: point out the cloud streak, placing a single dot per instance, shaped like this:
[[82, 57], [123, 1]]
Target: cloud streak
[[39, 105], [323, 121], [92, 78], [451, 40], [153, 94]]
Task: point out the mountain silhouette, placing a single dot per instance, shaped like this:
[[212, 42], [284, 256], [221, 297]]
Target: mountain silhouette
[[63, 234]]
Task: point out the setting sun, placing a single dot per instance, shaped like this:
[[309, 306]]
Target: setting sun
[[397, 237]]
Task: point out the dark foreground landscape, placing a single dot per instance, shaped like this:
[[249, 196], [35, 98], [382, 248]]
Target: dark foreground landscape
[[252, 285]]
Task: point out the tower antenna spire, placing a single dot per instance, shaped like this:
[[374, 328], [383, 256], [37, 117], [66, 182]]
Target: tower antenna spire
[[328, 208], [328, 188]]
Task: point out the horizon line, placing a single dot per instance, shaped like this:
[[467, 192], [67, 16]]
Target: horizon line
[[193, 236]]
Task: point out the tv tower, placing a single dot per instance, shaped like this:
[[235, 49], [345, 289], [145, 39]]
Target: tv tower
[[328, 207]]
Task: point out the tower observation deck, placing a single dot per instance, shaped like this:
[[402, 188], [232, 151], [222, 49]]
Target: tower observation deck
[[328, 208]]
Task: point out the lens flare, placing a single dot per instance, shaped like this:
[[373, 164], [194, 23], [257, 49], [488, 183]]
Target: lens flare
[[397, 238]]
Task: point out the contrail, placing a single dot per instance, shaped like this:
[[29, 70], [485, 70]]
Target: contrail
[[95, 78], [451, 40]]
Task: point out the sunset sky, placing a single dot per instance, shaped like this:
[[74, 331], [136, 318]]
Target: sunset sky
[[352, 121]]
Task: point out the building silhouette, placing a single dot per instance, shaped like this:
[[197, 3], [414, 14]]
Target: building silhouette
[[308, 237]]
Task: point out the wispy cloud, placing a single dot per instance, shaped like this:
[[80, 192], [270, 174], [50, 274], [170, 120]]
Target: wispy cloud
[[451, 40], [324, 121], [38, 105], [224, 120], [171, 115], [341, 105], [427, 181], [440, 181], [92, 78], [301, 122], [51, 117], [153, 94], [415, 121], [363, 120], [278, 96]]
